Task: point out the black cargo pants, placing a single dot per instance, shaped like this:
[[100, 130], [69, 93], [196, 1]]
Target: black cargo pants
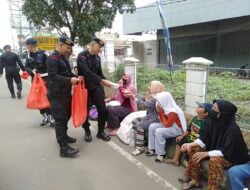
[[61, 111], [12, 73], [96, 97]]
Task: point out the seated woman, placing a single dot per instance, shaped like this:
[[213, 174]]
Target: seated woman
[[126, 96], [172, 124], [222, 143], [149, 104]]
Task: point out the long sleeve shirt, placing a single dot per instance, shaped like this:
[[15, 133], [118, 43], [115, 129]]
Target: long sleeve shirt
[[59, 74], [10, 60], [89, 66], [212, 153], [36, 61], [170, 119]]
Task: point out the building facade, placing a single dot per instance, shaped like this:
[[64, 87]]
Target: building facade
[[218, 30]]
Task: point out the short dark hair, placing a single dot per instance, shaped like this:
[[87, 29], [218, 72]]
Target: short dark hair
[[6, 47]]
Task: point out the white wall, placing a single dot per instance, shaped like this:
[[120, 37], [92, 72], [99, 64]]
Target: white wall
[[150, 53], [110, 55]]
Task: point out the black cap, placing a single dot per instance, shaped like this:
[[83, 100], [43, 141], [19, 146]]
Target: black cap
[[206, 106], [31, 41], [99, 41], [66, 40], [6, 47]]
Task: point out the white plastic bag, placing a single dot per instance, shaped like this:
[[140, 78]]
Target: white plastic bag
[[113, 103], [124, 131]]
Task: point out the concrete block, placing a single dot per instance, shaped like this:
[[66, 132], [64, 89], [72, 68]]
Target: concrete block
[[196, 76], [195, 89], [190, 100]]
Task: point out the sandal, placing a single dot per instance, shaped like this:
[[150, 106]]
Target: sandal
[[137, 151], [159, 158], [150, 153], [190, 186], [184, 179], [113, 133]]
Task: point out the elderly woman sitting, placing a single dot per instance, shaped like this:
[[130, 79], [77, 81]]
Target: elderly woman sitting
[[172, 124], [126, 97], [151, 117], [222, 143]]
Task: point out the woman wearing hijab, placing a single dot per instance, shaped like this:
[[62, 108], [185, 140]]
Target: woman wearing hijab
[[222, 143], [126, 96], [172, 124], [151, 117]]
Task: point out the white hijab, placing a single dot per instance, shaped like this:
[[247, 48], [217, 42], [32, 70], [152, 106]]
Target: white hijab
[[166, 101]]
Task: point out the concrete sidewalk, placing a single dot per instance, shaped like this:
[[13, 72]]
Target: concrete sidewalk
[[30, 157]]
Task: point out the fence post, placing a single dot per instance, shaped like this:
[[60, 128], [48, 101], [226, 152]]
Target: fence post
[[197, 69], [130, 68]]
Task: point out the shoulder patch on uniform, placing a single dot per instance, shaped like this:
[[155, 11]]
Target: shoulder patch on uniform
[[82, 57], [55, 57]]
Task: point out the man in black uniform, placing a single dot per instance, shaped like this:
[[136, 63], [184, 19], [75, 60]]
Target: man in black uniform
[[59, 93], [36, 63], [9, 60], [89, 66]]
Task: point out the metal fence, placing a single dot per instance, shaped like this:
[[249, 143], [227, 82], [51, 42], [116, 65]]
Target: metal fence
[[240, 72], [230, 81]]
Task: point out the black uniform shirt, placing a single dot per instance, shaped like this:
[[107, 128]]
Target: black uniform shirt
[[59, 74], [10, 60], [36, 61], [89, 66]]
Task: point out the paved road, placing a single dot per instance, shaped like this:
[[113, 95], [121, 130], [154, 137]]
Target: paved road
[[29, 158]]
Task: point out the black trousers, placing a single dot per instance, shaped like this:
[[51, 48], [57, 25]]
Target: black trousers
[[46, 110], [13, 74], [96, 97], [61, 111], [115, 114]]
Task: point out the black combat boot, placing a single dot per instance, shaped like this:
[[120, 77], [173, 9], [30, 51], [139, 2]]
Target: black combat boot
[[13, 96], [102, 135], [67, 151], [88, 136], [19, 95], [69, 139]]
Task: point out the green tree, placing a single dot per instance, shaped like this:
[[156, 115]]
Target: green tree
[[82, 17]]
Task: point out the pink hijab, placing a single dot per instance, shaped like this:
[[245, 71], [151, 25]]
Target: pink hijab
[[128, 86]]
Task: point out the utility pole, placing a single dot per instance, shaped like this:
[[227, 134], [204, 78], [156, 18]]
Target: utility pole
[[19, 22]]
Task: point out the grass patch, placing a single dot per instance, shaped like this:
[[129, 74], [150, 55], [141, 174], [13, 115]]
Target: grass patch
[[224, 85]]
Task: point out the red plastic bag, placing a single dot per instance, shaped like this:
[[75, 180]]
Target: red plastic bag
[[24, 75], [79, 104], [37, 97]]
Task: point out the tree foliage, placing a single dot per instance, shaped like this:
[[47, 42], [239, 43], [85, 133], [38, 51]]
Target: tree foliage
[[82, 17]]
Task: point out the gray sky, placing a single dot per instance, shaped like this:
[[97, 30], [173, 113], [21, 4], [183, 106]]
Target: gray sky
[[5, 31], [6, 34]]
